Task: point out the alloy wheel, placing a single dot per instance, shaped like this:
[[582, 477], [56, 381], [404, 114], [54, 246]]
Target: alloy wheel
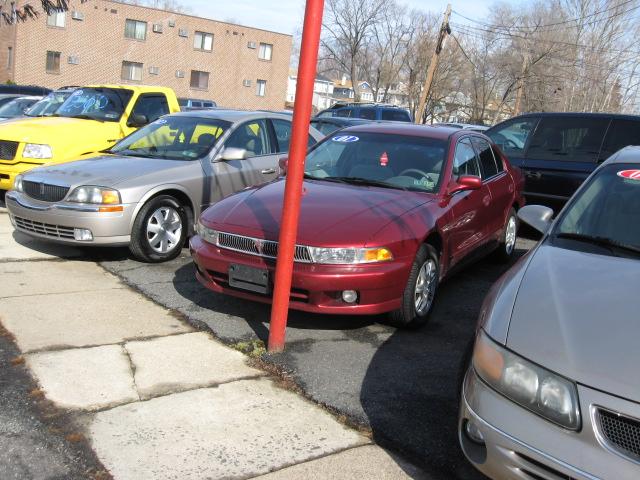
[[510, 235], [425, 287]]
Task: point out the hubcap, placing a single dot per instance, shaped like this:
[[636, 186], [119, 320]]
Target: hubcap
[[425, 287], [164, 229], [510, 235]]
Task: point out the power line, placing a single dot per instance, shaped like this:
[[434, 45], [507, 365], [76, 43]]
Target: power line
[[564, 22]]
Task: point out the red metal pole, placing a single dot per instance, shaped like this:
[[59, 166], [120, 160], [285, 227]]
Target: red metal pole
[[295, 172]]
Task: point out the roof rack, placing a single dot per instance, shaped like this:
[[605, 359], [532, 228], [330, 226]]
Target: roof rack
[[360, 104]]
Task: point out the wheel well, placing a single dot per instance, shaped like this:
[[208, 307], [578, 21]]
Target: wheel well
[[184, 200], [435, 240], [516, 206]]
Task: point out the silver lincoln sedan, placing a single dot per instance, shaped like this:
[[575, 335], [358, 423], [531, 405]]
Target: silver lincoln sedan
[[148, 190], [553, 388]]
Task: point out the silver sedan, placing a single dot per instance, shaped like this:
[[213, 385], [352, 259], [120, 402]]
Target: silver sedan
[[553, 389], [147, 191]]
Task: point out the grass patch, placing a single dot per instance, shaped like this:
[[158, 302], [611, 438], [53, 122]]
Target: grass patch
[[253, 348]]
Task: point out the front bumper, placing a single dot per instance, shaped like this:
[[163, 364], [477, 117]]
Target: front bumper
[[521, 445], [8, 172], [314, 288], [56, 221]]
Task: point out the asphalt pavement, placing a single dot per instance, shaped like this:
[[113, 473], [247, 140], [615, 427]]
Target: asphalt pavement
[[402, 385]]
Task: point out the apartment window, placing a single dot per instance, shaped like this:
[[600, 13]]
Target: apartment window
[[265, 51], [132, 71], [135, 29], [261, 87], [203, 41], [53, 62], [9, 57], [199, 79], [56, 19]]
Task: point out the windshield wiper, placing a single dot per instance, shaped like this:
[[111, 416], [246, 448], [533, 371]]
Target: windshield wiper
[[364, 181], [87, 117], [605, 242]]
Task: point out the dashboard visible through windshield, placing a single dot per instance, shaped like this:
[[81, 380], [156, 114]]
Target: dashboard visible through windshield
[[96, 103]]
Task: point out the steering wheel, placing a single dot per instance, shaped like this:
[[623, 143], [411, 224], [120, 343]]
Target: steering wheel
[[411, 171]]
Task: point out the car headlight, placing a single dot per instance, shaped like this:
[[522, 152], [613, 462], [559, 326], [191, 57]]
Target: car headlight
[[95, 195], [535, 388], [17, 183], [349, 256], [34, 150], [207, 234]]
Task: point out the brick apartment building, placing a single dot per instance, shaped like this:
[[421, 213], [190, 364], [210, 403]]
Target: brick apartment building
[[104, 41]]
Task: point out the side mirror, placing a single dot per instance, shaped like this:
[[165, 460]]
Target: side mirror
[[137, 120], [232, 153], [538, 216], [283, 163], [466, 182]]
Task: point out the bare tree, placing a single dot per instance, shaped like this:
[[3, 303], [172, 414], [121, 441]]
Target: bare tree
[[348, 24]]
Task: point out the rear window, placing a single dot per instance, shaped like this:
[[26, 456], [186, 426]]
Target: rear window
[[368, 113], [568, 139], [396, 115], [344, 112], [512, 136]]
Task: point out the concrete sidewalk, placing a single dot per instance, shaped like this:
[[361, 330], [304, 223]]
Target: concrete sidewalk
[[155, 398]]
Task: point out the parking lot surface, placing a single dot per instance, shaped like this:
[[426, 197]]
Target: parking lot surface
[[402, 385]]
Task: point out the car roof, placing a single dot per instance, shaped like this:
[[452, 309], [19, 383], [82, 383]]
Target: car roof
[[135, 88], [405, 128], [231, 115], [630, 154], [576, 114]]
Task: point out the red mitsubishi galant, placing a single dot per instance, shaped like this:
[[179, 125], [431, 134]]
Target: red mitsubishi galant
[[387, 212]]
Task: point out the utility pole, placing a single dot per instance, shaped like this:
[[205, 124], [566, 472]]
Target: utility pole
[[445, 30]]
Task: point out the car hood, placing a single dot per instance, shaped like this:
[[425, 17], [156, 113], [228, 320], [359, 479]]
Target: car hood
[[331, 214], [582, 310], [47, 130], [103, 170]]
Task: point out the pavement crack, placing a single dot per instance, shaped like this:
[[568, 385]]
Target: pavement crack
[[132, 367], [60, 293]]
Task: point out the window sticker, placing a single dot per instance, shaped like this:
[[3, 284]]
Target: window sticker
[[345, 138], [384, 159], [630, 174]]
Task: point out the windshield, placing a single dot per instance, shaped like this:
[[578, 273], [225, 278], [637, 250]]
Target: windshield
[[16, 107], [48, 105], [394, 161], [173, 138], [607, 211], [104, 104]]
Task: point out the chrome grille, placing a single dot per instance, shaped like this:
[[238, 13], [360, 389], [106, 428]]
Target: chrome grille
[[621, 432], [8, 150], [259, 247], [44, 191], [44, 228]]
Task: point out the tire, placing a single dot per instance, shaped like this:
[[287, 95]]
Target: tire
[[507, 246], [159, 231], [417, 306]]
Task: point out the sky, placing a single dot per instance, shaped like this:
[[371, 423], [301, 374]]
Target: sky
[[286, 15]]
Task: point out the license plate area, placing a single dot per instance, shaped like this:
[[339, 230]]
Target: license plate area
[[249, 278]]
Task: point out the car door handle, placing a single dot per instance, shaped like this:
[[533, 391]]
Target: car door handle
[[534, 175], [268, 171]]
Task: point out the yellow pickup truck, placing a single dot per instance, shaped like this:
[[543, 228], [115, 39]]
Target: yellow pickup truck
[[92, 119]]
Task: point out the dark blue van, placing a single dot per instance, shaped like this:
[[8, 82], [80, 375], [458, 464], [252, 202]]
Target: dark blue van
[[557, 151], [368, 111]]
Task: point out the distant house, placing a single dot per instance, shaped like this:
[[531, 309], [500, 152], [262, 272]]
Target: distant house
[[343, 90], [322, 91]]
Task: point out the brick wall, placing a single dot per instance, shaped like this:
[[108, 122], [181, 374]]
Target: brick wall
[[99, 44], [7, 37]]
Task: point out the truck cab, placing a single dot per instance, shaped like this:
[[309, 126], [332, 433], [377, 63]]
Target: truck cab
[[92, 119]]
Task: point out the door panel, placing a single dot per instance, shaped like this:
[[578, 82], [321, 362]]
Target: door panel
[[562, 153], [468, 226]]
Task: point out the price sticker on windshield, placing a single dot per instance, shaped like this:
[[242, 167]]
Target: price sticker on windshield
[[345, 138], [630, 174]]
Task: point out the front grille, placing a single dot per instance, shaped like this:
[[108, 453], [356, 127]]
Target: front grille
[[621, 432], [8, 149], [44, 191], [44, 228], [259, 247]]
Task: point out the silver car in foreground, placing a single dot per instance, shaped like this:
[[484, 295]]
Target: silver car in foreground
[[553, 389], [149, 189]]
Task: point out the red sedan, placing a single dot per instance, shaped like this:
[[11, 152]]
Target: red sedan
[[387, 212]]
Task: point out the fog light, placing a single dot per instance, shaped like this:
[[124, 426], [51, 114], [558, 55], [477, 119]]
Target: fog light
[[349, 296], [473, 432], [82, 234]]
